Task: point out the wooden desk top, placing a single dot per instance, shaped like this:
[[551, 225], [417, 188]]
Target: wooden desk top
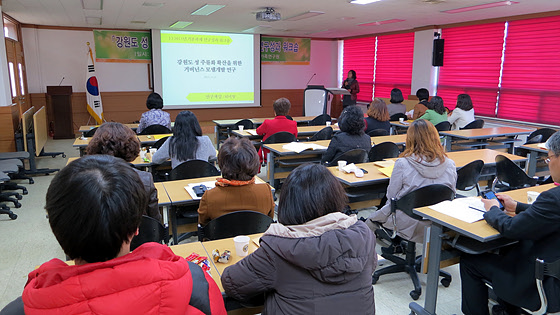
[[144, 140], [163, 198], [485, 133], [462, 158], [373, 176], [138, 162], [399, 124], [296, 119], [88, 128], [396, 139], [538, 147], [302, 131], [230, 122]]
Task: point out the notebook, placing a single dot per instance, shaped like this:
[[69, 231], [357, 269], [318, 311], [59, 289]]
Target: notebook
[[189, 188], [469, 209], [299, 147]]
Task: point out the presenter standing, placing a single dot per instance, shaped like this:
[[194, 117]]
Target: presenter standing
[[351, 84]]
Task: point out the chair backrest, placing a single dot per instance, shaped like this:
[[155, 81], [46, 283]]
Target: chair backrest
[[378, 132], [194, 169], [236, 223], [280, 137], [397, 116], [352, 156], [289, 117], [421, 197], [534, 139], [468, 175], [477, 124], [507, 172], [246, 123], [90, 132], [323, 134], [155, 130], [150, 230], [542, 270], [384, 150], [544, 132], [159, 143], [443, 126], [320, 120]]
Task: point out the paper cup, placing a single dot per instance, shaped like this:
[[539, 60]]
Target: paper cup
[[401, 120], [143, 153], [241, 245], [328, 123], [240, 127], [341, 164], [152, 152], [532, 196]]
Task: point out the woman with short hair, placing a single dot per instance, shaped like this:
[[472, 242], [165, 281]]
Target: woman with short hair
[[436, 112], [315, 260], [155, 115], [120, 141], [236, 190], [280, 123], [377, 116], [422, 163], [463, 114], [396, 106], [352, 135], [187, 142]]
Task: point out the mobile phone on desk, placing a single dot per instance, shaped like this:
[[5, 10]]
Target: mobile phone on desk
[[491, 195]]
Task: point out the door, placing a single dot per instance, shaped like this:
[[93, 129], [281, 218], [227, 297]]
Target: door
[[16, 65]]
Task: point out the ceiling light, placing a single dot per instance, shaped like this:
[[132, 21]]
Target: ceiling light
[[363, 1], [381, 22], [93, 20], [481, 6], [153, 4], [92, 4], [208, 9], [138, 22], [304, 15], [180, 24]]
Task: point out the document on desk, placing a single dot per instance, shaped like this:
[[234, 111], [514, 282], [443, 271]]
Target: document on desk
[[469, 209], [252, 132], [190, 190], [299, 147], [387, 171]]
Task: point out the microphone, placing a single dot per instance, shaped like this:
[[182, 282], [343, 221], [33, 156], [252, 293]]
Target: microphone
[[314, 74], [61, 81]]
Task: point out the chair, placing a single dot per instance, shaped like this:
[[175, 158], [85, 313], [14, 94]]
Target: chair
[[353, 156], [534, 139], [243, 222], [246, 123], [477, 124], [383, 151], [468, 175], [323, 134], [320, 120], [397, 116], [378, 132], [443, 126], [545, 133], [155, 130], [424, 196], [280, 137], [150, 230], [509, 176], [90, 132], [194, 169], [543, 270], [159, 143], [289, 117]]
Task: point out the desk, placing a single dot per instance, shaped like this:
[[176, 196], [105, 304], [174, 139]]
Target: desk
[[534, 150], [485, 133], [479, 231], [145, 140], [304, 131], [138, 162], [84, 129], [396, 125]]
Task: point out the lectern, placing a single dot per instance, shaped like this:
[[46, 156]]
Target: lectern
[[60, 102]]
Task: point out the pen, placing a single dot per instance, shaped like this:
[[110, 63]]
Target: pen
[[477, 209]]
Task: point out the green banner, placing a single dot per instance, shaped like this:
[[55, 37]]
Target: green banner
[[195, 39], [123, 46], [285, 50]]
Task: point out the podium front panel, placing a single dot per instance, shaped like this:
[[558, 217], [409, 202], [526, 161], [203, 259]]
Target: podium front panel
[[315, 102]]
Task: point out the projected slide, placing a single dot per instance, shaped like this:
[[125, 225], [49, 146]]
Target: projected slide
[[207, 68]]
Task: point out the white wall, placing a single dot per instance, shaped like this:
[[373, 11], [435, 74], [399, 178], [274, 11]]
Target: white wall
[[423, 74], [53, 54]]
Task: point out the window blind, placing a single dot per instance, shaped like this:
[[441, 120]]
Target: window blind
[[393, 68], [359, 55]]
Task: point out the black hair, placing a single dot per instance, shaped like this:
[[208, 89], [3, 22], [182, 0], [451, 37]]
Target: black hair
[[154, 101], [353, 74], [309, 192], [351, 120], [183, 144], [238, 159], [94, 205], [422, 94], [396, 96], [464, 102], [436, 104]]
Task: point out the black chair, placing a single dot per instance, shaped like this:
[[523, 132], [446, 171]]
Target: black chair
[[468, 175], [545, 133], [194, 169], [323, 134], [289, 117], [150, 230], [477, 124], [155, 130], [280, 137], [159, 143], [320, 120], [397, 116], [443, 126], [378, 132], [509, 176], [542, 270], [246, 123], [353, 156], [243, 222], [90, 132], [424, 196], [384, 150]]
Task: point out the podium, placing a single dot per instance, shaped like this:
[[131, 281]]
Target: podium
[[316, 100], [59, 99]]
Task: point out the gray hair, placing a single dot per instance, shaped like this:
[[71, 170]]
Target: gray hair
[[553, 143]]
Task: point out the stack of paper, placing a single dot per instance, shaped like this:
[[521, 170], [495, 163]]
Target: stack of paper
[[387, 171], [542, 146], [465, 209], [299, 147], [252, 132], [189, 188], [387, 163]]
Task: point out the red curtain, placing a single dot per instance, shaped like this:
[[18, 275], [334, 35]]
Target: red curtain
[[359, 55], [394, 64], [531, 75], [471, 65]]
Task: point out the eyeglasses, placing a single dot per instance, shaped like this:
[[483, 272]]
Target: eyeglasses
[[547, 160]]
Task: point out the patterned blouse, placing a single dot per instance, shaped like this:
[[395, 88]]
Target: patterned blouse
[[154, 117]]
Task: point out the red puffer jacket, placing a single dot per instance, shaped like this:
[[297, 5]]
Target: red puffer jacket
[[150, 280]]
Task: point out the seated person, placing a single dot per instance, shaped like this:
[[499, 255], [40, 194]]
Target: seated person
[[316, 260], [512, 272], [422, 106], [118, 140], [352, 135], [436, 112], [155, 116], [422, 163], [187, 142], [396, 106], [463, 114], [278, 124], [94, 206], [236, 190], [377, 116]]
